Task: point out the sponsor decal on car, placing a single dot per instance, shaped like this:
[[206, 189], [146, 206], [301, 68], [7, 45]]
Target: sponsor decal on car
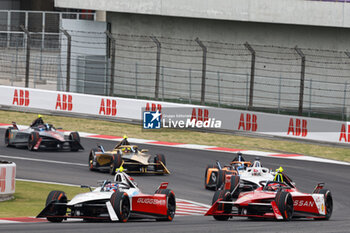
[[150, 201], [303, 203], [213, 176], [319, 201]]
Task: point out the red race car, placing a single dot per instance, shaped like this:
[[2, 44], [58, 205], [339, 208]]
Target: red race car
[[274, 200]]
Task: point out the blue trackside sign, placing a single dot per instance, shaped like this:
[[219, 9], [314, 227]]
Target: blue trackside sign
[[152, 119]]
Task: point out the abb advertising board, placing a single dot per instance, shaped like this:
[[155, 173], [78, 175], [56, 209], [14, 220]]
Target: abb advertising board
[[132, 109]]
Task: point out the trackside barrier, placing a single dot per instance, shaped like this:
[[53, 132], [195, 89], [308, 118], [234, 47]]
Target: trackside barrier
[[7, 180], [131, 109]]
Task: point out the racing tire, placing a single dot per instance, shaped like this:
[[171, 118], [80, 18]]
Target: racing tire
[[7, 136], [220, 179], [56, 197], [171, 204], [328, 203], [121, 205], [75, 141], [206, 175], [284, 202], [227, 208], [33, 140], [92, 159], [116, 163], [235, 180], [159, 158]]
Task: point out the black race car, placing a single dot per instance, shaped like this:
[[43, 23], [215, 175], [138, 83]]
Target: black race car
[[43, 136]]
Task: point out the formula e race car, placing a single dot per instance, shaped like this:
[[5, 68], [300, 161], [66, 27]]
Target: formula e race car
[[252, 177], [274, 200], [130, 157], [117, 200], [43, 136], [215, 174]]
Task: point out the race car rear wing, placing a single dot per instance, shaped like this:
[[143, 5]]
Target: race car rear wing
[[144, 169], [318, 187]]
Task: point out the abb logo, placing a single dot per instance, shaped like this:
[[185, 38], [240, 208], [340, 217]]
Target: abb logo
[[21, 98], [299, 128], [153, 107], [344, 135], [200, 114], [64, 102], [248, 123], [108, 107]]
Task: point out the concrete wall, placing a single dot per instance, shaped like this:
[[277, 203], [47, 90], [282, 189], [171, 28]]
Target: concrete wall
[[269, 11], [9, 4], [231, 31], [37, 5]]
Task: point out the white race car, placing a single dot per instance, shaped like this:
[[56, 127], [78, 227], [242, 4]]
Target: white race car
[[116, 200], [249, 178], [252, 176]]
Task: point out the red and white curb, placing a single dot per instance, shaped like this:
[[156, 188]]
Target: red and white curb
[[183, 208], [202, 147]]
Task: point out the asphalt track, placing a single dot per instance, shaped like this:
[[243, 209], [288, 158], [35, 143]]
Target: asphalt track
[[187, 168]]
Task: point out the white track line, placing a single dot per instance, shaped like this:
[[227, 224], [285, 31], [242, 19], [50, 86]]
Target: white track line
[[42, 160], [47, 182]]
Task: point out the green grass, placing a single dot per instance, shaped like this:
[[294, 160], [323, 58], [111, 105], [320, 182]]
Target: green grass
[[181, 136], [30, 198]]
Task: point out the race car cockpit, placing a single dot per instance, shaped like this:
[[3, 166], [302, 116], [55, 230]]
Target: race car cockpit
[[282, 182], [239, 163], [123, 142]]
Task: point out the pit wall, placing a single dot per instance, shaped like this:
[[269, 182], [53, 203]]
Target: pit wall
[[115, 108]]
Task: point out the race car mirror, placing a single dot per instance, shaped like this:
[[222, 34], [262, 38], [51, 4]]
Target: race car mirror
[[144, 150], [86, 186]]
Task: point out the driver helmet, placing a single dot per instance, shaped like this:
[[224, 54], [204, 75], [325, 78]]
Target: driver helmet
[[256, 172], [273, 186], [280, 169], [41, 127], [111, 187], [126, 149]]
